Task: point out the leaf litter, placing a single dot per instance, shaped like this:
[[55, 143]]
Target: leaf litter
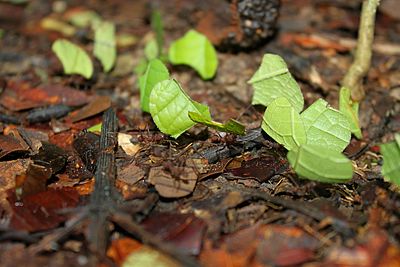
[[222, 197]]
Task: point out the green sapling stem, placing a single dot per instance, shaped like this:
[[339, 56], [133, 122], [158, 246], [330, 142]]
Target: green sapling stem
[[362, 60]]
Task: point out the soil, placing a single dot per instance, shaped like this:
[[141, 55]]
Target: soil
[[67, 197]]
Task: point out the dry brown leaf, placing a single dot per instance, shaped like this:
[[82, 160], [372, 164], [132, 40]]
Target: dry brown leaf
[[124, 140], [168, 186]]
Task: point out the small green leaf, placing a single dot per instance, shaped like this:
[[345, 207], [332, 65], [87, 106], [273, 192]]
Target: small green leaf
[[321, 164], [283, 123], [84, 18], [73, 58], [105, 45], [195, 50], [231, 126], [273, 80], [169, 107], [326, 126], [155, 72], [391, 160], [95, 128], [350, 110]]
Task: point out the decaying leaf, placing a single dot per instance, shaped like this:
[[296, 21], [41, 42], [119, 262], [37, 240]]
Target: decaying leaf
[[97, 105], [124, 141], [185, 231], [172, 187], [40, 211], [8, 171], [130, 174]]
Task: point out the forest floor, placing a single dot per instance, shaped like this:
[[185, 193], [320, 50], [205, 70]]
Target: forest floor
[[206, 198]]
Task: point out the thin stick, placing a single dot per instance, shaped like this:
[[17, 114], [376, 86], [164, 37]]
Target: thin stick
[[362, 60]]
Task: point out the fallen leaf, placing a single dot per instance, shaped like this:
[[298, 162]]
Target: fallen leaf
[[261, 169], [40, 211], [170, 187], [185, 231], [21, 96], [8, 171], [130, 174], [97, 105], [124, 140], [33, 181], [11, 145]]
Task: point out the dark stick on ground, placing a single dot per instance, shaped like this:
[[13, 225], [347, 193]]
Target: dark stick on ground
[[103, 198]]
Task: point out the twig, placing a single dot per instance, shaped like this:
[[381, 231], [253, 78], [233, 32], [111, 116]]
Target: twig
[[103, 198], [339, 225], [362, 60]]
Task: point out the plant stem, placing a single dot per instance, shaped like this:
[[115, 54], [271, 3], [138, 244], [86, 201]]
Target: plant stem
[[362, 60]]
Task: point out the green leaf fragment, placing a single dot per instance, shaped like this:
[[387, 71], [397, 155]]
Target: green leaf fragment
[[273, 80], [350, 110], [231, 126], [391, 160], [105, 45], [73, 58], [283, 123], [169, 106], [326, 126], [84, 18], [321, 164], [155, 72], [397, 139], [196, 51], [95, 128]]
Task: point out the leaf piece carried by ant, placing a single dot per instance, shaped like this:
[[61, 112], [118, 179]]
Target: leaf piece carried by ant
[[73, 58], [321, 164], [105, 45], [196, 51], [155, 73], [273, 80], [283, 123], [326, 126], [391, 159], [169, 107], [350, 110]]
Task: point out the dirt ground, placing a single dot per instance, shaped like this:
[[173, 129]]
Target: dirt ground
[[206, 198]]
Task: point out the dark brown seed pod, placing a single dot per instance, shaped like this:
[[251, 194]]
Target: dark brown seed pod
[[240, 24]]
